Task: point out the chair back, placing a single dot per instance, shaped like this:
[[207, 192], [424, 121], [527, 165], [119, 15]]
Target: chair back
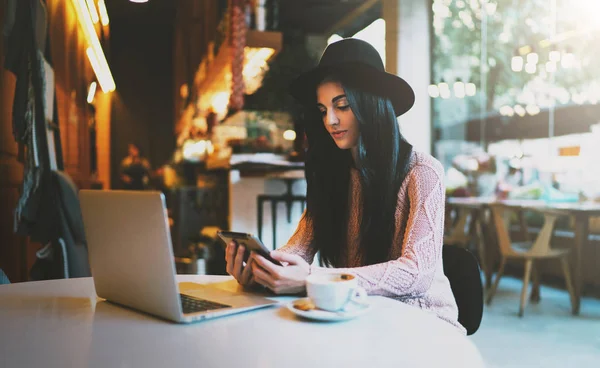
[[540, 246], [462, 270], [542, 242]]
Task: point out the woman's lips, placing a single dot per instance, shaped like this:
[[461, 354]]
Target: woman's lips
[[339, 134]]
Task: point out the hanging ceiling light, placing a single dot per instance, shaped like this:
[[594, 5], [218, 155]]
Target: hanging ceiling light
[[507, 111], [517, 62], [289, 135], [568, 59], [91, 92], [520, 110], [470, 89], [444, 90], [103, 13], [551, 67], [93, 11], [139, 1], [94, 50], [459, 89], [532, 109], [532, 58], [530, 68], [433, 90]]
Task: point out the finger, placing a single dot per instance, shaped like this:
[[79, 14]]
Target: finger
[[238, 262], [261, 282], [246, 273], [263, 278], [230, 248], [262, 275], [256, 266], [230, 251], [229, 259], [292, 259], [267, 265]]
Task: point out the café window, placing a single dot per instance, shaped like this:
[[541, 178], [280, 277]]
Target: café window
[[516, 80]]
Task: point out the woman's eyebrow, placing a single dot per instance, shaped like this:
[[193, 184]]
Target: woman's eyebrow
[[333, 100], [337, 98]]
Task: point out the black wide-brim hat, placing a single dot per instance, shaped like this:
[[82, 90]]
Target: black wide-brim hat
[[361, 66]]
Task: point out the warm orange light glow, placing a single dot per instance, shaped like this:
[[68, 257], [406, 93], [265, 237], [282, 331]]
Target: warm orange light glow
[[220, 101], [94, 51], [92, 92], [94, 62], [289, 135], [103, 13], [92, 9], [255, 65]]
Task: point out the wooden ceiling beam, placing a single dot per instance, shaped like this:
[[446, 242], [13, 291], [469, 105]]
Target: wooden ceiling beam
[[349, 18]]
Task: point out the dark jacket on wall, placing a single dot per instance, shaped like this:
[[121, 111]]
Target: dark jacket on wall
[[46, 211]]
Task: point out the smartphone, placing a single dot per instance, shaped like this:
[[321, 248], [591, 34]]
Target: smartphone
[[250, 242]]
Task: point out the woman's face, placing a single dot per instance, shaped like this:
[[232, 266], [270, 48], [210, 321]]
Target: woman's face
[[338, 118]]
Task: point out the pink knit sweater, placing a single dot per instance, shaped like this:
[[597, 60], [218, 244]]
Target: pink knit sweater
[[415, 273]]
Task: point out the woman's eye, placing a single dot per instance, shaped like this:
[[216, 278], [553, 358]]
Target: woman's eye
[[344, 107], [322, 112]]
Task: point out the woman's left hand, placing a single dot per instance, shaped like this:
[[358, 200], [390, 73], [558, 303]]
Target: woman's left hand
[[287, 279]]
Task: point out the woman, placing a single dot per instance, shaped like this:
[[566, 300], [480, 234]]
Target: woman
[[375, 207]]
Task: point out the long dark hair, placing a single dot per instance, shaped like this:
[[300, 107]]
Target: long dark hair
[[382, 163]]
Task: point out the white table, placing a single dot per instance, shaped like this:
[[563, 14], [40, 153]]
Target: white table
[[62, 323]]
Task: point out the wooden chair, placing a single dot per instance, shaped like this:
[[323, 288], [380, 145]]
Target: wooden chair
[[529, 252]]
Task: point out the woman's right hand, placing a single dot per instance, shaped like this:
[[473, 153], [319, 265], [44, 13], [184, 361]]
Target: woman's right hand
[[234, 255]]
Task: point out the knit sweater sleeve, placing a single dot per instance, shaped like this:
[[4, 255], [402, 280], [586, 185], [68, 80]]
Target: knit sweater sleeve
[[301, 241], [411, 275]]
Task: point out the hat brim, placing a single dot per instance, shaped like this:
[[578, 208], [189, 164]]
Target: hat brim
[[367, 78]]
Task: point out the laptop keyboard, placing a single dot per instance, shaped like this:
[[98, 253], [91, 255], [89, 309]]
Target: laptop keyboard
[[191, 304]]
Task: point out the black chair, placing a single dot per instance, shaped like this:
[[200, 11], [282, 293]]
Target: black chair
[[274, 199], [3, 278], [72, 229], [462, 270], [67, 255]]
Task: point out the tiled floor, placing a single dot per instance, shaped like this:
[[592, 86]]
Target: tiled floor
[[547, 336]]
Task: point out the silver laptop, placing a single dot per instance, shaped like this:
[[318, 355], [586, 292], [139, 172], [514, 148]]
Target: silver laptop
[[131, 259]]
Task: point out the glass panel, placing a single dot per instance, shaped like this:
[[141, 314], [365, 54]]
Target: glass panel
[[532, 96]]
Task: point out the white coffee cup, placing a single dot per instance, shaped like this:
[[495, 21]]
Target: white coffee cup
[[334, 291]]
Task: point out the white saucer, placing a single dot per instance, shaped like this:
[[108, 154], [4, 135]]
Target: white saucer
[[351, 311]]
